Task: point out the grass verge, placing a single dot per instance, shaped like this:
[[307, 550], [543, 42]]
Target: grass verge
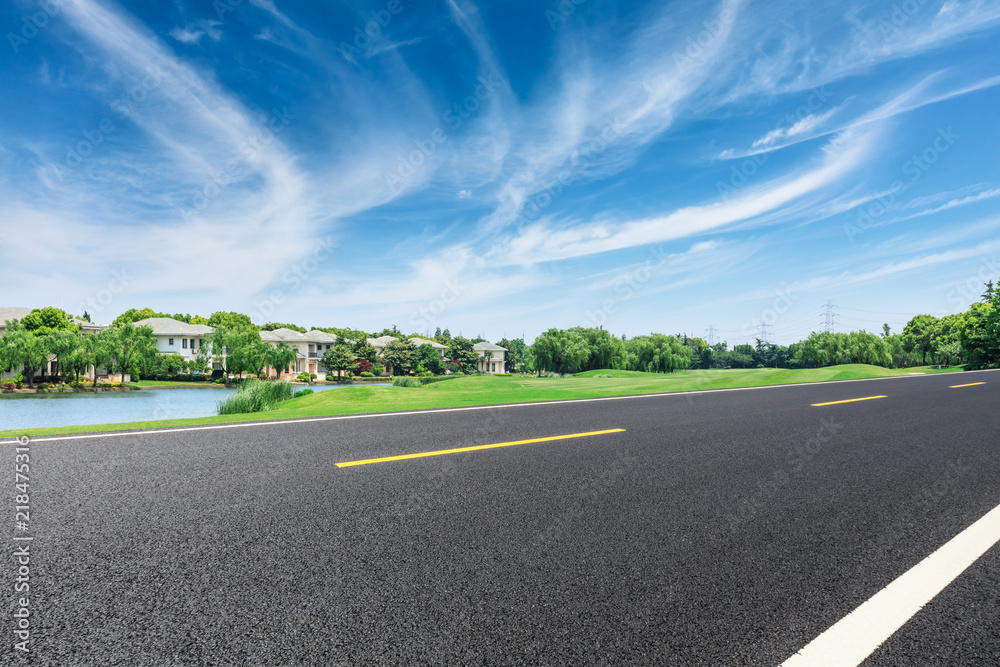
[[494, 390]]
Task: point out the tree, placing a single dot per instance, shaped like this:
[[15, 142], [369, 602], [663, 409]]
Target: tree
[[657, 353], [987, 296], [918, 335], [401, 354], [340, 357], [257, 354], [21, 348], [231, 320], [364, 350], [461, 352], [44, 320], [886, 331], [64, 344], [272, 326], [515, 357], [96, 350], [281, 357], [430, 359], [980, 333], [131, 347], [134, 315]]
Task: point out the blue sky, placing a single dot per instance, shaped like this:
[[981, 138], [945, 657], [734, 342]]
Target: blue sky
[[499, 168]]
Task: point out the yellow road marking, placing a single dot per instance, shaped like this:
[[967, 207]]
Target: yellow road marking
[[476, 448], [971, 384], [850, 400]]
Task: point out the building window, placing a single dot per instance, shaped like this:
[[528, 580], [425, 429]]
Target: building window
[[184, 343], [192, 343], [170, 341]]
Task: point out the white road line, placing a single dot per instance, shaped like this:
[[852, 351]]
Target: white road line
[[293, 420], [857, 635]]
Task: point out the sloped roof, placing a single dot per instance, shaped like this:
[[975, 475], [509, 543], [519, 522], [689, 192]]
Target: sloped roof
[[488, 347], [423, 341], [382, 341], [322, 336], [167, 326]]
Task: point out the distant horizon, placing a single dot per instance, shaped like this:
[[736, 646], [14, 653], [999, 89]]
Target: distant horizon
[[527, 340], [639, 166]]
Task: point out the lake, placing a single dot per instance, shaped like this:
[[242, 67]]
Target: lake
[[19, 411]]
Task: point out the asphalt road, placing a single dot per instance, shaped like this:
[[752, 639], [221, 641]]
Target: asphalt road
[[722, 528]]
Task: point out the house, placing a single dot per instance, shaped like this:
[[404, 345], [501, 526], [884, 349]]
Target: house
[[176, 337], [17, 313], [441, 349], [491, 358], [310, 348]]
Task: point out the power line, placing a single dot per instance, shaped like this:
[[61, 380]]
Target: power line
[[711, 331], [829, 324], [762, 327]]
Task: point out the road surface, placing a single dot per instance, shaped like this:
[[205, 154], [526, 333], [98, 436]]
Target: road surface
[[728, 527]]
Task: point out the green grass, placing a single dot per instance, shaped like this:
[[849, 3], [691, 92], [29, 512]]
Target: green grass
[[490, 390], [257, 396]]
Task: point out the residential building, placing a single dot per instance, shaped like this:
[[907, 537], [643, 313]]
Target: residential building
[[491, 358], [17, 313], [176, 337]]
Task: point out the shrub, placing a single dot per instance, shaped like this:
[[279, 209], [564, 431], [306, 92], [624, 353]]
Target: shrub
[[367, 374], [256, 396], [407, 382], [304, 392], [362, 366]]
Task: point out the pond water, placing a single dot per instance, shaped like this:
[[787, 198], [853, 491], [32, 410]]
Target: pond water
[[19, 411]]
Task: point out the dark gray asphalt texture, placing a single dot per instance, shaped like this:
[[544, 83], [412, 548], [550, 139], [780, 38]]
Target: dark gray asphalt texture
[[724, 528]]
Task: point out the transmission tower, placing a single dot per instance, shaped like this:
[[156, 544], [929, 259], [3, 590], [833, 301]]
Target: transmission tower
[[762, 327], [829, 324], [711, 330]]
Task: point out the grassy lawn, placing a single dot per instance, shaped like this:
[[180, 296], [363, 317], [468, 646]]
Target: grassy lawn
[[488, 390]]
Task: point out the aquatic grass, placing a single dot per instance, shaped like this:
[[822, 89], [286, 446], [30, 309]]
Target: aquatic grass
[[256, 396]]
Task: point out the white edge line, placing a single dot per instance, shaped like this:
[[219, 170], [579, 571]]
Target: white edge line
[[856, 636], [306, 420]]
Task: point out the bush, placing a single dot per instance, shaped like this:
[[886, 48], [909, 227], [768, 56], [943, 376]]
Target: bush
[[304, 392], [407, 382], [367, 374], [256, 396]]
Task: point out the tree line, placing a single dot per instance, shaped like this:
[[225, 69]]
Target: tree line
[[971, 338]]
